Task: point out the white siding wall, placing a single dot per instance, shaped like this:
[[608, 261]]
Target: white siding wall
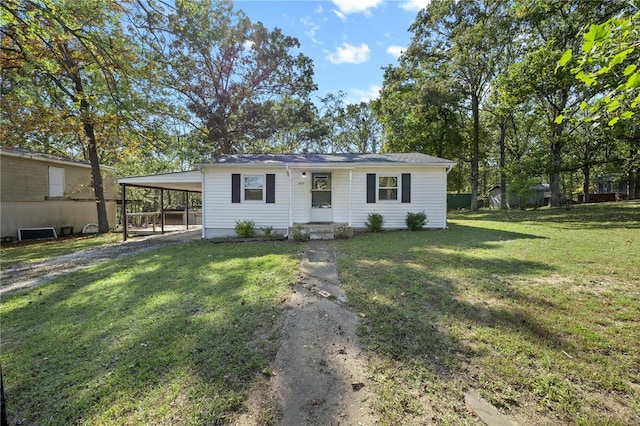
[[220, 214], [428, 194], [341, 196], [300, 195]]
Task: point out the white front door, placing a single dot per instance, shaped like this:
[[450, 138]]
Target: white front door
[[321, 207]]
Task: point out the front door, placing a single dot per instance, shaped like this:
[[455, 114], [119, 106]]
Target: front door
[[321, 208]]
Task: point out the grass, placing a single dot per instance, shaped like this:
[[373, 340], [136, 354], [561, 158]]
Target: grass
[[539, 310], [172, 336], [35, 250]]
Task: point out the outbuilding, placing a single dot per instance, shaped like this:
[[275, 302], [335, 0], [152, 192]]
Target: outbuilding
[[280, 191], [44, 195]]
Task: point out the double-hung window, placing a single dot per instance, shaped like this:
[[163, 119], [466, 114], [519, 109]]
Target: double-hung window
[[253, 187], [56, 182], [387, 188]]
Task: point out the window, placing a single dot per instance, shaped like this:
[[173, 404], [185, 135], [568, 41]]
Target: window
[[56, 181], [387, 188], [253, 188]]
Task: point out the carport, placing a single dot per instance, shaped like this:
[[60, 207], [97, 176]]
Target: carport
[[186, 182]]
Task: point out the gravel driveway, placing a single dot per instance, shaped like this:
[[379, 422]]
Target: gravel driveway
[[19, 277]]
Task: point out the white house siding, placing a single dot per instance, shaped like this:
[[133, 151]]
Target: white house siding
[[220, 214], [428, 194], [300, 195], [340, 196]]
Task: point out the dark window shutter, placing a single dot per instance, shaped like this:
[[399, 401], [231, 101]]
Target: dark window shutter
[[406, 187], [371, 187], [235, 188], [271, 188]]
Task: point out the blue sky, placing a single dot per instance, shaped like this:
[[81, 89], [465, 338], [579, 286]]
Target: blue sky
[[350, 41]]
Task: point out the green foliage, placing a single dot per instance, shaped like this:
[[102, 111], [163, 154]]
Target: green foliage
[[343, 232], [233, 75], [67, 74], [415, 221], [267, 230], [245, 228], [374, 222], [608, 62], [299, 233], [521, 187]]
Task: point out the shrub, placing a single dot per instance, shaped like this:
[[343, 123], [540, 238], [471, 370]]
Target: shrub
[[299, 233], [245, 228], [267, 230], [415, 221], [375, 222], [343, 232]]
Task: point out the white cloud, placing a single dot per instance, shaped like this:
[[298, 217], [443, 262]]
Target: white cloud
[[415, 5], [349, 54], [339, 14], [310, 29], [355, 96], [356, 6], [395, 50]]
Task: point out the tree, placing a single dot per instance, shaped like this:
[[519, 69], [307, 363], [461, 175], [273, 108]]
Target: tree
[[68, 61], [361, 131], [551, 28], [609, 61], [462, 37], [419, 113], [231, 74]]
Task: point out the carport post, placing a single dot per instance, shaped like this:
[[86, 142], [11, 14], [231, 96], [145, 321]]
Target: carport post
[[162, 211], [124, 211], [187, 210]]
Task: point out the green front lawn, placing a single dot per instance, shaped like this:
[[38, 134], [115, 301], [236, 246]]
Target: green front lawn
[[539, 310], [172, 336]]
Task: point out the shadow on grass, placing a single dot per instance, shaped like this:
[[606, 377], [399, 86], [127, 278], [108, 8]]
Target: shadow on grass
[[172, 336], [414, 289]]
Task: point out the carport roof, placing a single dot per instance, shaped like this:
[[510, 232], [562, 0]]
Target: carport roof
[[179, 181]]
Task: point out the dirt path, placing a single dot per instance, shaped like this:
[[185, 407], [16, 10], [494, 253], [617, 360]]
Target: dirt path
[[319, 375], [21, 277]]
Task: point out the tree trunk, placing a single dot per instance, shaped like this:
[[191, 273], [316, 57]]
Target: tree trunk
[[96, 174], [556, 164], [503, 174], [475, 112], [586, 173], [92, 150], [634, 175]]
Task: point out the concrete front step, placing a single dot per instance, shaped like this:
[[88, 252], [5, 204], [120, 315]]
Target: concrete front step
[[321, 231], [321, 235]]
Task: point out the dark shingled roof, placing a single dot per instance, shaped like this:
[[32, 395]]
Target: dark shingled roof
[[391, 158]]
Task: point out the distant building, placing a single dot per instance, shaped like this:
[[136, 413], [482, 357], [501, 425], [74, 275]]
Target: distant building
[[611, 184], [42, 190], [538, 196]]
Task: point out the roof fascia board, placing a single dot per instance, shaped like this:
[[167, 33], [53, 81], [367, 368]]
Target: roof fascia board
[[316, 165], [36, 157]]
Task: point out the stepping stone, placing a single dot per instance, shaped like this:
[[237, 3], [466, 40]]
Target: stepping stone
[[483, 409]]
